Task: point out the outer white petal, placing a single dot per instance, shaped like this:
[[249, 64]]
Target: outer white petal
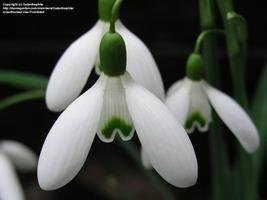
[[235, 118], [21, 156], [140, 63], [174, 87], [68, 142], [145, 159], [163, 139], [115, 113], [179, 102], [73, 68], [10, 188]]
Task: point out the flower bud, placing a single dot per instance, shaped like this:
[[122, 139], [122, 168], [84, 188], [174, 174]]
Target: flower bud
[[112, 54], [195, 67]]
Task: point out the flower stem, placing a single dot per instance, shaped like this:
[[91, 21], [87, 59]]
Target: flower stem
[[114, 15], [21, 97], [217, 145], [203, 35], [134, 154], [237, 58]]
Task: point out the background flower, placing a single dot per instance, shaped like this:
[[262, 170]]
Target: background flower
[[75, 65], [191, 101], [14, 155]]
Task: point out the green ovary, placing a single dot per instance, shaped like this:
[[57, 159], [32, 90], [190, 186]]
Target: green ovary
[[195, 117], [119, 124]]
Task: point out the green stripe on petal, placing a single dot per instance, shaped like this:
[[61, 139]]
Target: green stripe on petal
[[195, 118], [114, 125], [199, 115]]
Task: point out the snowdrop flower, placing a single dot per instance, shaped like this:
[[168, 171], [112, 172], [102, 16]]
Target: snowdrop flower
[[77, 62], [14, 154], [191, 98], [116, 105]]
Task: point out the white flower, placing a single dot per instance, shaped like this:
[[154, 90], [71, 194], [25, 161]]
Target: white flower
[[190, 101], [116, 105], [75, 65], [14, 154]]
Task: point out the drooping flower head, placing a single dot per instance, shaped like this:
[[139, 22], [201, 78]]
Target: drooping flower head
[[14, 154], [189, 100], [116, 105], [77, 62]]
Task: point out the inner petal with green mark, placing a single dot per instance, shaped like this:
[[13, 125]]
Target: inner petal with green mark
[[117, 125], [199, 115], [115, 117], [196, 120]]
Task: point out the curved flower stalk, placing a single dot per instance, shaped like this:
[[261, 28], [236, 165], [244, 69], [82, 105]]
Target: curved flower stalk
[[116, 105], [190, 98], [14, 154], [75, 65]]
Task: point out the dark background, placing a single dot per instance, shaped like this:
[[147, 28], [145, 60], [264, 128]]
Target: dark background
[[33, 43]]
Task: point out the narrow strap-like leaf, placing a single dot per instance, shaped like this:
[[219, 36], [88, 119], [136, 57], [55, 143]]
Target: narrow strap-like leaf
[[21, 97], [23, 80], [259, 114]]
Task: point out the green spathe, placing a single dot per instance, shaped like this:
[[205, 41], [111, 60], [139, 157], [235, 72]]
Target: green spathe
[[115, 123], [104, 9], [112, 54], [195, 67], [195, 117]]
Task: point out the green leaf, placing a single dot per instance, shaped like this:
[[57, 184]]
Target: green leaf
[[259, 114], [239, 24], [21, 97], [23, 80]]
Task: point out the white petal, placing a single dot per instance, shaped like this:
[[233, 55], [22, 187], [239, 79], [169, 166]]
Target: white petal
[[174, 87], [199, 103], [235, 118], [97, 65], [72, 70], [115, 117], [163, 139], [140, 63], [179, 102], [68, 142], [10, 188], [21, 156], [145, 159]]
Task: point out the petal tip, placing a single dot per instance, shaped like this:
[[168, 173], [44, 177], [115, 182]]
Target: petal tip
[[45, 181], [253, 143], [53, 105], [46, 187], [188, 180]]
